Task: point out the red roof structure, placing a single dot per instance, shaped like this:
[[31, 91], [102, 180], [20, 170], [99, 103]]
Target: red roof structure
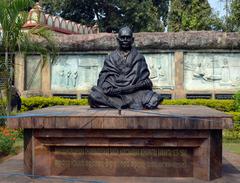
[[56, 23]]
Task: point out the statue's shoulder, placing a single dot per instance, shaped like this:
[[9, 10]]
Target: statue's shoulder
[[111, 58], [112, 55], [137, 54]]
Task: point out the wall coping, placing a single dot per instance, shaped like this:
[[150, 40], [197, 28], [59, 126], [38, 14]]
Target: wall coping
[[190, 40]]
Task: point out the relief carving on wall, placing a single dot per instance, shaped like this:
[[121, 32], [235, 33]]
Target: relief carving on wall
[[80, 72], [161, 70], [76, 72], [208, 71]]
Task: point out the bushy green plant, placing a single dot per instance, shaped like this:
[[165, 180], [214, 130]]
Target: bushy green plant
[[233, 134], [237, 101], [7, 139], [236, 115], [222, 105], [13, 16], [41, 102], [2, 111]]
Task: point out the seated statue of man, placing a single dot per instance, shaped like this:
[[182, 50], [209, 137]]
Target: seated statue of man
[[124, 79]]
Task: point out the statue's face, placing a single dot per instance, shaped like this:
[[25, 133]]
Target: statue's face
[[125, 38]]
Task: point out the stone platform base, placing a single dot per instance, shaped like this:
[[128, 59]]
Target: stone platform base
[[173, 141]]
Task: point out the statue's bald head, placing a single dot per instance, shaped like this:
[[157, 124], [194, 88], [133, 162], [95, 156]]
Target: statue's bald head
[[125, 38], [125, 31]]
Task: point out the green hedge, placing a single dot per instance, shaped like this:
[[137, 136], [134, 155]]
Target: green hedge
[[222, 105], [236, 115], [237, 101], [41, 102], [2, 112], [232, 135]]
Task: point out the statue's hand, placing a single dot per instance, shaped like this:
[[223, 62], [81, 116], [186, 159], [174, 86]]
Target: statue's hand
[[127, 89], [146, 84], [142, 85], [107, 90], [116, 91], [110, 91], [113, 91]]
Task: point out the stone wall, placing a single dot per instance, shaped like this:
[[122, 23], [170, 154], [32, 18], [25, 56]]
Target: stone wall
[[157, 41], [184, 64]]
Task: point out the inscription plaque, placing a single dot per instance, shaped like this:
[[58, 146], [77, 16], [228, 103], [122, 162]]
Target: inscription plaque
[[122, 161]]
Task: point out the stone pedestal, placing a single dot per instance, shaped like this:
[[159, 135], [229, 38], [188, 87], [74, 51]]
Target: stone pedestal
[[172, 141]]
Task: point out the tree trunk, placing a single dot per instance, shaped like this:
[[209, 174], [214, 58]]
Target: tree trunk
[[8, 83]]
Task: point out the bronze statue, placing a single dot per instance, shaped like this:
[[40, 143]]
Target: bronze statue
[[124, 80]]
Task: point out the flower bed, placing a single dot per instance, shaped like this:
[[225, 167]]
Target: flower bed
[[7, 139]]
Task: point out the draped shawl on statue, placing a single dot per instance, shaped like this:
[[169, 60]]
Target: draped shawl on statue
[[119, 72]]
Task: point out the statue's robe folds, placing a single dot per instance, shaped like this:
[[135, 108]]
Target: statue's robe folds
[[124, 83]]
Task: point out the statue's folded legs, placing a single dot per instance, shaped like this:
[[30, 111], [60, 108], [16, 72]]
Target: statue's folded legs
[[139, 100]]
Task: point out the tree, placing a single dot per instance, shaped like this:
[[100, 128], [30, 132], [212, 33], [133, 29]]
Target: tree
[[233, 21], [192, 15], [87, 12], [175, 16], [141, 15], [163, 7], [13, 15]]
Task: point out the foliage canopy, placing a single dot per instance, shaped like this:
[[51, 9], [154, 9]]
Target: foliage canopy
[[233, 21], [141, 15], [192, 15]]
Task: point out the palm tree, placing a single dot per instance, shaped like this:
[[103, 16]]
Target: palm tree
[[13, 15]]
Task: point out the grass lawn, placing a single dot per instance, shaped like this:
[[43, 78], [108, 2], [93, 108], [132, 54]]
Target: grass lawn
[[232, 147]]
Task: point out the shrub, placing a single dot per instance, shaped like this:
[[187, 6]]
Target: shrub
[[237, 101], [7, 139], [2, 112], [233, 134], [236, 115], [222, 105], [41, 102]]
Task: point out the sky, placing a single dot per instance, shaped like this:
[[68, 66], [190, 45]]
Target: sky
[[218, 5]]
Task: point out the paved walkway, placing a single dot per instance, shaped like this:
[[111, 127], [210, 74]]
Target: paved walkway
[[11, 171]]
